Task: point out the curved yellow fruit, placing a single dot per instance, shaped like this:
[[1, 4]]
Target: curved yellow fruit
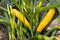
[[46, 20], [58, 38], [20, 16]]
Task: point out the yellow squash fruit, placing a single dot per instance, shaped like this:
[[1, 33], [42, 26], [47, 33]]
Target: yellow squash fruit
[[20, 16], [46, 20], [58, 38]]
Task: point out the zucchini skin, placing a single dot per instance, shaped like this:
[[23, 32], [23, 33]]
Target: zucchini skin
[[20, 16], [46, 19]]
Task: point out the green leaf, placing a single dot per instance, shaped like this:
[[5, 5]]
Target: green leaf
[[0, 0], [4, 21], [1, 17], [40, 37], [6, 16], [2, 8], [52, 2], [52, 38], [50, 31], [17, 5]]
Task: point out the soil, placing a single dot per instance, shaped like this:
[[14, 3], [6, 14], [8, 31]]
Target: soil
[[3, 32]]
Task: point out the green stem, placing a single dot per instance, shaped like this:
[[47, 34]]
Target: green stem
[[9, 32], [3, 8], [4, 21], [21, 31], [49, 32], [1, 17], [48, 7], [31, 18], [53, 33], [40, 3], [18, 6]]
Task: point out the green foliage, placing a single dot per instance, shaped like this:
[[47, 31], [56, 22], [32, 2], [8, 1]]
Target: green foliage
[[31, 10]]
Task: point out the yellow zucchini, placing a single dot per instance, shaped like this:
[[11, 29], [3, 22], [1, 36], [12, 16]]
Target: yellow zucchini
[[58, 38], [20, 16], [46, 20]]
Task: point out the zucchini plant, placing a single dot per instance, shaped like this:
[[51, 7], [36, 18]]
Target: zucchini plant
[[22, 20]]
